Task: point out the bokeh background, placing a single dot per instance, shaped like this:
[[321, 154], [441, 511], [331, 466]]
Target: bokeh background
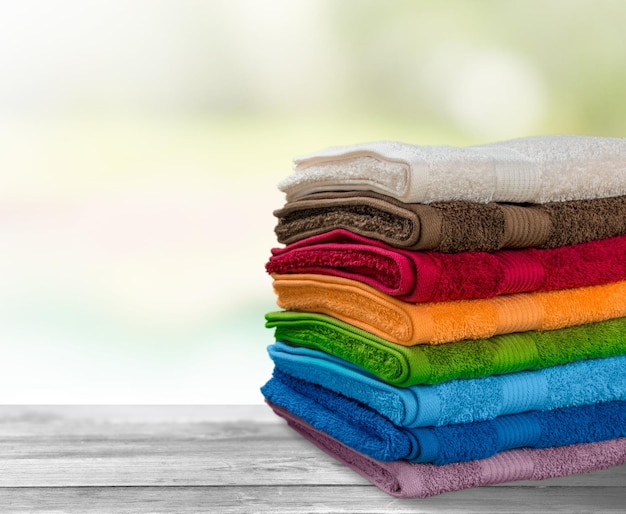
[[141, 143]]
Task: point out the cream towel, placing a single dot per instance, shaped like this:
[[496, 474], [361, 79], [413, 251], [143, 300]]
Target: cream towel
[[535, 169]]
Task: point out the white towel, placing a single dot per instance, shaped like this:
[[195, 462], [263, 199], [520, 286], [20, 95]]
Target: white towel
[[537, 169]]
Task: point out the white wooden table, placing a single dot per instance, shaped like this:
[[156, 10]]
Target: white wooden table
[[223, 459]]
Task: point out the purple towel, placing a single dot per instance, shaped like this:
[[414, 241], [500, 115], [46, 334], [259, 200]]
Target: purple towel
[[407, 480]]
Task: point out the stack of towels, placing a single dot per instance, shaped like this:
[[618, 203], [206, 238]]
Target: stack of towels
[[454, 317]]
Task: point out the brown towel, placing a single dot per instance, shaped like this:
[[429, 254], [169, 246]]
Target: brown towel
[[452, 226]]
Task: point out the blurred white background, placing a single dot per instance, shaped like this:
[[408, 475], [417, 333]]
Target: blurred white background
[[141, 143]]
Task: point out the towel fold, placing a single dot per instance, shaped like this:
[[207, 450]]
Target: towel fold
[[534, 169], [460, 401], [443, 226], [409, 480], [366, 431], [443, 322], [431, 364], [413, 276]]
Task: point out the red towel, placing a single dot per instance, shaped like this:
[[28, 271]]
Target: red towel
[[414, 276]]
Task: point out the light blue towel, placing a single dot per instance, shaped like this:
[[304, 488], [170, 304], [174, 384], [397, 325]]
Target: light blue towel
[[460, 401]]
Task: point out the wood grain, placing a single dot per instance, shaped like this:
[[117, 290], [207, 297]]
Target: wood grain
[[217, 459], [353, 499]]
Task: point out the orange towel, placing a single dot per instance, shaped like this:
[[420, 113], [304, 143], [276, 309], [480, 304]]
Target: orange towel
[[443, 322]]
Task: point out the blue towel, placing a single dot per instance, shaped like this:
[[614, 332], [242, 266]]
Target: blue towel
[[366, 431], [460, 401]]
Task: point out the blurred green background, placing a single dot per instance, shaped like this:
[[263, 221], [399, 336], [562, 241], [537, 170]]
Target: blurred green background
[[141, 143]]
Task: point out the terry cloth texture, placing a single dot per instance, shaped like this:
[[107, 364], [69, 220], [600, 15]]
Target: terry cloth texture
[[460, 401], [366, 431], [410, 480], [413, 276], [444, 227], [535, 169], [431, 364], [443, 322]]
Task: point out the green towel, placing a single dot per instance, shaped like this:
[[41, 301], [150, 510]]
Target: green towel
[[431, 364]]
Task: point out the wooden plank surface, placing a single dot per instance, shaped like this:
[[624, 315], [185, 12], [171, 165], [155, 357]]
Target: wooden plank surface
[[225, 459], [296, 499]]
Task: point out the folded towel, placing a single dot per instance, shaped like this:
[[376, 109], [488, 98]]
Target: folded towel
[[413, 276], [442, 322], [443, 226], [431, 364], [366, 431], [409, 480], [534, 169], [460, 401]]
